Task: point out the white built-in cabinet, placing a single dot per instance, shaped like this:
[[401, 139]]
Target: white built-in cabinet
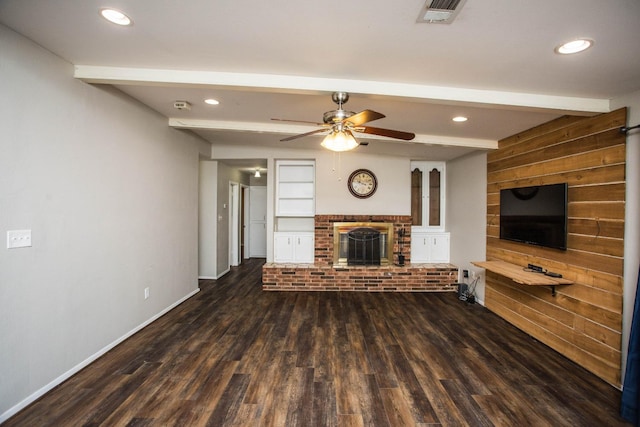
[[429, 247], [293, 241], [428, 189], [429, 241], [294, 247]]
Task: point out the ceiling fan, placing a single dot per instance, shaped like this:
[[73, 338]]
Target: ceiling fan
[[341, 123]]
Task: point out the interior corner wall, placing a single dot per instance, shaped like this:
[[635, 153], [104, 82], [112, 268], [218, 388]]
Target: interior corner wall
[[582, 321], [207, 220], [110, 193], [467, 213], [225, 176], [632, 217]]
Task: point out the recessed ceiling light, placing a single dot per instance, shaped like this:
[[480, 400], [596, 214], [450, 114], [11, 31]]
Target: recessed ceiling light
[[116, 17], [211, 101], [459, 119], [574, 46]]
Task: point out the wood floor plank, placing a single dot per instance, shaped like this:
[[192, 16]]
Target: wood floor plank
[[234, 355], [396, 408], [276, 403], [324, 405], [228, 405], [420, 406], [466, 404], [301, 399]]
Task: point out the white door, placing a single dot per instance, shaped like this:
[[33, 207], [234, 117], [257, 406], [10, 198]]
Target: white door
[[258, 222]]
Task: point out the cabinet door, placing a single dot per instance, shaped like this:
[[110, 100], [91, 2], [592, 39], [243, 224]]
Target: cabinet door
[[428, 195], [429, 247], [304, 247], [439, 247], [283, 249], [419, 247]]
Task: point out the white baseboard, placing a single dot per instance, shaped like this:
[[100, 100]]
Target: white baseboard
[[41, 392], [215, 277], [223, 273]]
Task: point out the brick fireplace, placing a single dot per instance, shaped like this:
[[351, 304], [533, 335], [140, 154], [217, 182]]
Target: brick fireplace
[[330, 273]]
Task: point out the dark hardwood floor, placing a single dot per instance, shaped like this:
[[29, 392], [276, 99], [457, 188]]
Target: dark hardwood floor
[[235, 355]]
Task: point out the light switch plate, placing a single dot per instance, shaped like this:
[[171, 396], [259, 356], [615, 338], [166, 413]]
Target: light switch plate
[[18, 239]]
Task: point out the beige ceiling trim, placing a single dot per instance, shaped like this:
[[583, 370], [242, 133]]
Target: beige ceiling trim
[[282, 83], [288, 129]]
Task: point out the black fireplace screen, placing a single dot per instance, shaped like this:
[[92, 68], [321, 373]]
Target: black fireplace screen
[[363, 246]]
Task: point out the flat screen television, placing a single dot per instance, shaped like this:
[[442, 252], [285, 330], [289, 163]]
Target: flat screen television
[[535, 215]]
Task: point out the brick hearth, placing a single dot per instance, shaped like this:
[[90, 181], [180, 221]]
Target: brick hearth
[[323, 276]]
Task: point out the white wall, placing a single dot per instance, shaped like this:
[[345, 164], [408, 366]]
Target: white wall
[[632, 216], [110, 193], [467, 213], [393, 196]]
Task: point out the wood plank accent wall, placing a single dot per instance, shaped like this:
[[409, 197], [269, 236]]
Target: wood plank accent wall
[[584, 320]]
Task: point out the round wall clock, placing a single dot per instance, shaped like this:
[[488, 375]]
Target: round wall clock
[[362, 183]]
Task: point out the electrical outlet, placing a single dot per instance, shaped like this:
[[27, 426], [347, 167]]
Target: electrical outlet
[[473, 274], [146, 293], [18, 239]]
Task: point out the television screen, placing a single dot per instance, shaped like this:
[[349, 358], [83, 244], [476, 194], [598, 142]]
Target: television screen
[[535, 215]]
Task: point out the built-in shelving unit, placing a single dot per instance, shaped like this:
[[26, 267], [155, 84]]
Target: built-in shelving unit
[[295, 210], [295, 188], [520, 275]]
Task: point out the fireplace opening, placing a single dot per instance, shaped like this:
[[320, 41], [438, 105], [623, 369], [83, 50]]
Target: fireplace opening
[[372, 243], [363, 246]]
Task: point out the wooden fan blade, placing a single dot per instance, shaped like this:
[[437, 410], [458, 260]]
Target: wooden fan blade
[[364, 116], [407, 136], [299, 121], [303, 134]]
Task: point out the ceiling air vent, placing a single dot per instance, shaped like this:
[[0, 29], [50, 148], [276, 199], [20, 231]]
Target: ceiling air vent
[[440, 11]]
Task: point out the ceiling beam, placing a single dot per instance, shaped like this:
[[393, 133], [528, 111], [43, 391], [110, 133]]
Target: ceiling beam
[[290, 129], [299, 84]]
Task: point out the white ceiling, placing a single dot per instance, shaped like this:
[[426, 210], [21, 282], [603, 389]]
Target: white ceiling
[[282, 59]]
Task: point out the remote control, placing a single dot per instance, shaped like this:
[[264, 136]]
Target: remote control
[[552, 274]]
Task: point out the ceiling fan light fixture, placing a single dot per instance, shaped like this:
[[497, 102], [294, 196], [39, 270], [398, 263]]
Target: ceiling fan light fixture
[[116, 17], [341, 140]]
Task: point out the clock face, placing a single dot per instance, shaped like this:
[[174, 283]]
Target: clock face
[[362, 183]]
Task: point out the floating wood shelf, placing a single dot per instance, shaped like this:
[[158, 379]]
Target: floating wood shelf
[[519, 275]]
